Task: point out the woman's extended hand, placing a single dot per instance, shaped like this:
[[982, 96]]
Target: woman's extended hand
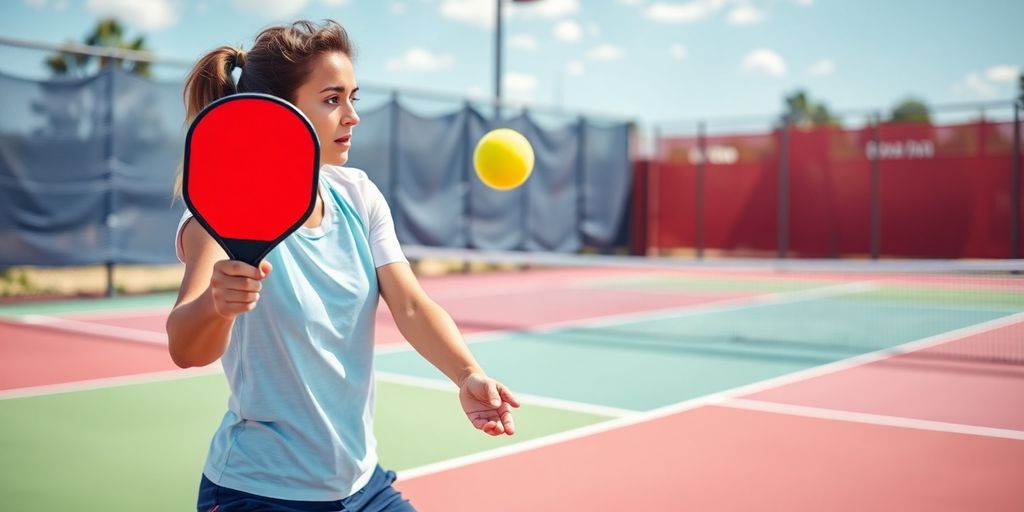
[[488, 404]]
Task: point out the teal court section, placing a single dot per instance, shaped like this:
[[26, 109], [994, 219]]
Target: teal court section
[[105, 305], [647, 364], [707, 283]]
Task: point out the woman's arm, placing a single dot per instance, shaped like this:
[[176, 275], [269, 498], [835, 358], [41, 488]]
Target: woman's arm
[[432, 332], [214, 290]]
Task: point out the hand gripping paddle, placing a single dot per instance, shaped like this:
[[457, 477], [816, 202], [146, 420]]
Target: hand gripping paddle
[[252, 162]]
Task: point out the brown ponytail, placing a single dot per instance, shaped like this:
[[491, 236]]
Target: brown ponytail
[[278, 63], [210, 80]]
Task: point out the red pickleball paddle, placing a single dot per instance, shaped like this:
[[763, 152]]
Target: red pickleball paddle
[[252, 162]]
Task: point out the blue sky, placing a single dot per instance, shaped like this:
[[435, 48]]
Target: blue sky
[[644, 59]]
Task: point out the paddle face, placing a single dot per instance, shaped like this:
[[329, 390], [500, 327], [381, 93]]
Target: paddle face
[[252, 162]]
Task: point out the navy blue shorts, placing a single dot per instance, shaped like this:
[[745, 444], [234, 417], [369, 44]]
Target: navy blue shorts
[[376, 496]]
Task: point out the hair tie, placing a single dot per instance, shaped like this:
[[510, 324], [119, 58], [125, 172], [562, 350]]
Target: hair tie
[[237, 59]]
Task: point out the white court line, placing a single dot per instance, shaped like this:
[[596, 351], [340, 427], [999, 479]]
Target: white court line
[[717, 306], [115, 314], [109, 331], [524, 399], [871, 419], [711, 399], [109, 382]]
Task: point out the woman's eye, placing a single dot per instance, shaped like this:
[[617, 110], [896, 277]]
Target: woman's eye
[[354, 99], [333, 100]]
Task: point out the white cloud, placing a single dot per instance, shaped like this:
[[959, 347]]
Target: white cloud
[[745, 14], [334, 3], [522, 41], [269, 9], [420, 61], [822, 67], [60, 5], [1002, 73], [474, 12], [568, 31], [631, 2], [805, 3], [979, 86], [475, 91], [605, 52], [151, 15], [36, 4], [520, 85], [575, 68], [990, 83], [763, 60], [677, 51], [482, 12], [694, 10], [398, 8], [545, 9]]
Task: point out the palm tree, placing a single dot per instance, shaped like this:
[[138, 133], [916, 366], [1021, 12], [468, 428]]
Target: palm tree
[[911, 110], [803, 112], [108, 33]]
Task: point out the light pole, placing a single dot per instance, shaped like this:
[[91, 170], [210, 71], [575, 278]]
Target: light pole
[[499, 44]]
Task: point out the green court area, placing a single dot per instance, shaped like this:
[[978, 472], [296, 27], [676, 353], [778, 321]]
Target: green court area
[[142, 446], [651, 363]]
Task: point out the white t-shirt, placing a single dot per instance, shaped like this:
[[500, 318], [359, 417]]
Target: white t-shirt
[[299, 424]]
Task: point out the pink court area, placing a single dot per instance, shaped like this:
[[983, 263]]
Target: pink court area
[[726, 459], [931, 384], [37, 356]]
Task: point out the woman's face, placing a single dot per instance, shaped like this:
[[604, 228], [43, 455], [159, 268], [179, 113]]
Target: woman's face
[[328, 99]]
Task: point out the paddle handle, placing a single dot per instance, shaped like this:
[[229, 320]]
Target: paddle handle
[[247, 251]]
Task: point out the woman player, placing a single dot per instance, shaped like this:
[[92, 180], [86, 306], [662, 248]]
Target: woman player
[[295, 335]]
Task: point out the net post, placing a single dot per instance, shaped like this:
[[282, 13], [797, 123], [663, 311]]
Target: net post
[[653, 172], [393, 146], [467, 176], [111, 289], [581, 180], [701, 169], [524, 194], [1015, 191], [783, 220], [876, 187], [467, 182], [110, 219]]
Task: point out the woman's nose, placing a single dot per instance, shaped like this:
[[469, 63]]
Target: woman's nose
[[350, 118]]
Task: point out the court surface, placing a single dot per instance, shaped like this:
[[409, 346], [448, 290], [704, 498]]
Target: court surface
[[641, 390]]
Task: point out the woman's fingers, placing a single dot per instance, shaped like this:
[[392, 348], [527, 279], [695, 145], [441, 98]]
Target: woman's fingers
[[507, 396], [236, 286]]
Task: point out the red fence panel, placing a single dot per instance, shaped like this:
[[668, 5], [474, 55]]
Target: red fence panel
[[945, 191]]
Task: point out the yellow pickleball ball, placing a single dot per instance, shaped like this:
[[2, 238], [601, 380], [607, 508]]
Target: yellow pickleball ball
[[503, 159]]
